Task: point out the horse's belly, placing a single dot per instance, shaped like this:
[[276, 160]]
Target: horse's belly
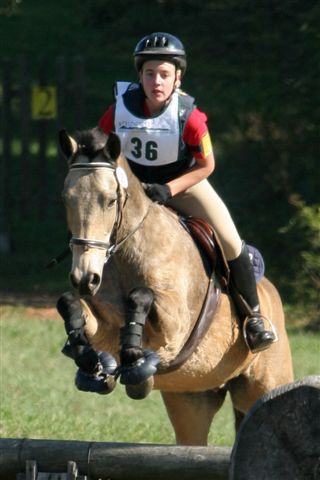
[[205, 372]]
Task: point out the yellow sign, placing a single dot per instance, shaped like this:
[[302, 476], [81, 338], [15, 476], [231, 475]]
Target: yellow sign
[[44, 102]]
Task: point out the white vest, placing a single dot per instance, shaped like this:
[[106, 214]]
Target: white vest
[[148, 141]]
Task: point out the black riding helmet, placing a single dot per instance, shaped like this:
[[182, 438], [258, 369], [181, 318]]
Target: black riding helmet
[[160, 46]]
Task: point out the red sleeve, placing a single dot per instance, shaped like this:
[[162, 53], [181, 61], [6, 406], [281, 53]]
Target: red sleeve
[[194, 131], [106, 122]]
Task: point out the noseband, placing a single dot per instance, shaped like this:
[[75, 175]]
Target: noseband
[[113, 247]]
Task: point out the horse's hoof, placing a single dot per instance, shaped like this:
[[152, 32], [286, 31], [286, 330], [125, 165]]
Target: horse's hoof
[[141, 370], [102, 384], [141, 391], [103, 381]]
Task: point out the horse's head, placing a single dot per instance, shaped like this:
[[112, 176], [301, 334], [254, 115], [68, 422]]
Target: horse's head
[[94, 192]]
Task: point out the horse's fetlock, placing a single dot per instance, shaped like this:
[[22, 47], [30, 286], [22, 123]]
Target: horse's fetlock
[[78, 337], [129, 356], [86, 358]]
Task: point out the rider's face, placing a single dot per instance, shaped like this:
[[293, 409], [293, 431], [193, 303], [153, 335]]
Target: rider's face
[[158, 79]]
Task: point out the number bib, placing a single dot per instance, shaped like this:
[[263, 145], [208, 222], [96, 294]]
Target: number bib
[[148, 141]]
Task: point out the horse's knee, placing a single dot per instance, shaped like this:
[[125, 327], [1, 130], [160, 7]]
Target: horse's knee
[[70, 309], [140, 300], [78, 346]]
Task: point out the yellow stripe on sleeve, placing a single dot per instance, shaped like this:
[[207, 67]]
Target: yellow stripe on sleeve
[[206, 145]]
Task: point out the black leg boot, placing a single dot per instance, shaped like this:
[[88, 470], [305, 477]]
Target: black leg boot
[[244, 292], [96, 369], [137, 364]]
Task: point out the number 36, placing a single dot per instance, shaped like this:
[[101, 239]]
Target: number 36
[[149, 150]]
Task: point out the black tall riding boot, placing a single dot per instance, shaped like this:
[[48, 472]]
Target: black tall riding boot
[[243, 284]]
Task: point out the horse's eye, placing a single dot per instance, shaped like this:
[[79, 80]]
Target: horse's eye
[[111, 202], [106, 201]]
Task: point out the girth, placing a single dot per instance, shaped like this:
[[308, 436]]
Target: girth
[[199, 330]]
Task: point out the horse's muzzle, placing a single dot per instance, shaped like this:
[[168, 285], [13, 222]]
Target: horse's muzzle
[[87, 285]]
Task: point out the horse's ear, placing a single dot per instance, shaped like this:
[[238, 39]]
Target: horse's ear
[[68, 145], [113, 146]]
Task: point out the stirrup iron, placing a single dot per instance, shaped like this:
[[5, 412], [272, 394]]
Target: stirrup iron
[[272, 329]]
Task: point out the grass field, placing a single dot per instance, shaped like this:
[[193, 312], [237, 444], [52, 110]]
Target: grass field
[[38, 398]]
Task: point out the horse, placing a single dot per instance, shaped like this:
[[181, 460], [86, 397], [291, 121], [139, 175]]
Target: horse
[[139, 285]]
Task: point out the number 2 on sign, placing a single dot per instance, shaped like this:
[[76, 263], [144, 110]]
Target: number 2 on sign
[[44, 102]]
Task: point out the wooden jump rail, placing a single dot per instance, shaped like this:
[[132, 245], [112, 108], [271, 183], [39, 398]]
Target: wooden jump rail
[[278, 439], [116, 461]]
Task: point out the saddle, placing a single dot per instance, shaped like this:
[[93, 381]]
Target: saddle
[[210, 248], [215, 260]]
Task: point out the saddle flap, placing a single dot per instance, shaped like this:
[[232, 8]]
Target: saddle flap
[[205, 236]]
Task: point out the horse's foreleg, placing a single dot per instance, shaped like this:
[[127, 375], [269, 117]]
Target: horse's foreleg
[[94, 367], [78, 347], [137, 365], [191, 414]]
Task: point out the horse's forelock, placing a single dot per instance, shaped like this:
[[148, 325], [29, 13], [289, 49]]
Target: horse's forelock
[[90, 142]]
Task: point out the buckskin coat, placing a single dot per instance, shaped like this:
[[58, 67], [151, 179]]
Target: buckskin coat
[[162, 256]]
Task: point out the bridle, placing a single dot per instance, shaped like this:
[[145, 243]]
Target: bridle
[[113, 246]]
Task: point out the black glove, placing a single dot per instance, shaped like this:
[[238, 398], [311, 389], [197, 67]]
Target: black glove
[[158, 193]]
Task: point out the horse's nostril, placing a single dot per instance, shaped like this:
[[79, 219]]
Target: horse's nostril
[[94, 280], [87, 284]]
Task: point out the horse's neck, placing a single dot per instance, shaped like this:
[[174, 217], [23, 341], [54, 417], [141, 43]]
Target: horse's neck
[[134, 207], [135, 203], [140, 216], [158, 241]]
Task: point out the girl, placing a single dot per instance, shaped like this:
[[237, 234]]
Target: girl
[[167, 144]]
